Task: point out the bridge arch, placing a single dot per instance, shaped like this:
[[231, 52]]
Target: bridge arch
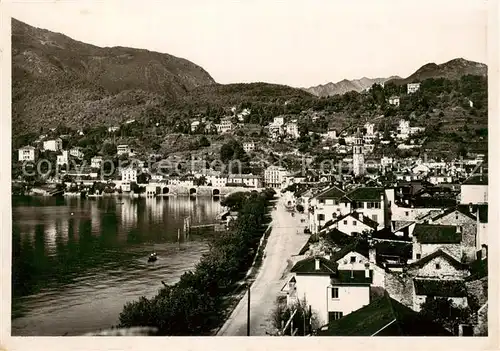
[[215, 192], [165, 190], [192, 191]]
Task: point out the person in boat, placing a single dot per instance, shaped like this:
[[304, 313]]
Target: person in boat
[[152, 257]]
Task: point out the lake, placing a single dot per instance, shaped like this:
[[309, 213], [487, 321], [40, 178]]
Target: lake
[[76, 262]]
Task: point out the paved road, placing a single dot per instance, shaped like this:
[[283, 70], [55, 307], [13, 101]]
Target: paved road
[[286, 239]]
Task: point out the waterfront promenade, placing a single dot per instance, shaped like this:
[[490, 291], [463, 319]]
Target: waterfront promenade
[[286, 239]]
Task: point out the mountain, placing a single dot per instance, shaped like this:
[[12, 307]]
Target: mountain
[[345, 86], [452, 70], [56, 79]]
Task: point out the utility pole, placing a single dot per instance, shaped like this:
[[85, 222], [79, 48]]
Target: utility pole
[[248, 312]]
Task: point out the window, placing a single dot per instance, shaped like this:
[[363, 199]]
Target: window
[[354, 223], [345, 222], [407, 213], [375, 218], [321, 201], [321, 217], [418, 256], [438, 266], [333, 316], [335, 293], [353, 259]]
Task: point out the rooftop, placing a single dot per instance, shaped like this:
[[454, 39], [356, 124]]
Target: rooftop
[[437, 234], [440, 287], [384, 317], [438, 253], [308, 266], [365, 194], [331, 193], [348, 277]]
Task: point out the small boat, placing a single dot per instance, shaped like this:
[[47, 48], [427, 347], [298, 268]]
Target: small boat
[[153, 257]]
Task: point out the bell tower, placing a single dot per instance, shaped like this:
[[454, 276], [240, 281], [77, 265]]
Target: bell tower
[[358, 158]]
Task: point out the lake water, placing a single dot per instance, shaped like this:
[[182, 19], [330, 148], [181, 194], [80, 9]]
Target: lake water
[[76, 262]]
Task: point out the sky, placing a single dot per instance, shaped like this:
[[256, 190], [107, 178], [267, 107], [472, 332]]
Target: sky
[[300, 43]]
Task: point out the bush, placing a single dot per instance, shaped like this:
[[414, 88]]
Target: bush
[[282, 313]]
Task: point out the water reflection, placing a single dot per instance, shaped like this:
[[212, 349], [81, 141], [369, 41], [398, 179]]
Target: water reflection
[[73, 258]]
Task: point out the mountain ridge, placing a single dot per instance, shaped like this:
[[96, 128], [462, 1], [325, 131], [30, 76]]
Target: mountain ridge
[[345, 85]]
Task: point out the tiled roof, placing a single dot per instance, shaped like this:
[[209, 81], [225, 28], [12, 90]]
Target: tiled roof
[[365, 194], [358, 246], [331, 193], [348, 277], [437, 234], [438, 253], [464, 209], [384, 317], [308, 266], [440, 287]]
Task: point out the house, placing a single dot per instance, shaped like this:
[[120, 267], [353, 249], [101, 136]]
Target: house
[[359, 256], [384, 316], [26, 153], [353, 224], [440, 178], [248, 146], [279, 120], [96, 162], [194, 126], [113, 129], [370, 128], [420, 278], [394, 100], [76, 152], [274, 176], [467, 218], [248, 180], [386, 161], [370, 201], [129, 174], [412, 87], [124, 149], [326, 206], [474, 190], [224, 126], [332, 293], [63, 159], [52, 145], [292, 129], [427, 238]]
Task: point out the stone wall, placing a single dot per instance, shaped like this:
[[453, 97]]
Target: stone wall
[[469, 231], [478, 290], [400, 287]]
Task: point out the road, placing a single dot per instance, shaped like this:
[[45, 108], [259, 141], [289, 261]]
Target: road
[[286, 239]]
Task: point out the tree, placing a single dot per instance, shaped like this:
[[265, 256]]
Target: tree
[[282, 313], [445, 312], [109, 149], [203, 142]]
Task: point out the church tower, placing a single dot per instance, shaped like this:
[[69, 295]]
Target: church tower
[[358, 158]]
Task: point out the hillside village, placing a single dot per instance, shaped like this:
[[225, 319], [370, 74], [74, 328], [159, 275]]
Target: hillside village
[[385, 232], [389, 183]]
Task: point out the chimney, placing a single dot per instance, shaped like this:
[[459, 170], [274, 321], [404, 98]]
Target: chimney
[[471, 209], [316, 264], [367, 270], [328, 257], [372, 254]]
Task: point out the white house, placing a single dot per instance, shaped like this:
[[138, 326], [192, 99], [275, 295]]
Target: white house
[[279, 120], [394, 100], [386, 161], [474, 190], [76, 152], [53, 145], [224, 126], [194, 125], [124, 149], [96, 162], [26, 153], [292, 129], [274, 176], [63, 159], [129, 174], [248, 146], [353, 223], [412, 87], [332, 293], [249, 180], [370, 128], [113, 129]]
